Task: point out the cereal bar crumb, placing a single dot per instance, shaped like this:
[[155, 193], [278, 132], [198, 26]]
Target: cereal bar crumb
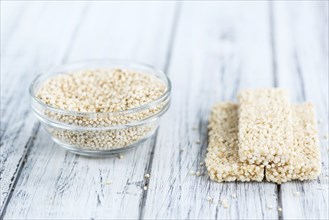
[[224, 203], [296, 193], [209, 198], [108, 182]]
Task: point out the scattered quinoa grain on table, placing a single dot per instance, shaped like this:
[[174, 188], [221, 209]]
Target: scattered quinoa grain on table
[[224, 203], [209, 198], [108, 182], [296, 193]]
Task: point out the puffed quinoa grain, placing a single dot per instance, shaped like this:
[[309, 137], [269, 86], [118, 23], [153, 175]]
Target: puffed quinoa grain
[[108, 182], [102, 91], [222, 158], [297, 194], [265, 126], [102, 140], [209, 198], [305, 161], [224, 203]]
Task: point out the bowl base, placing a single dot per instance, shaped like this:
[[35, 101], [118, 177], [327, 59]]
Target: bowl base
[[100, 153]]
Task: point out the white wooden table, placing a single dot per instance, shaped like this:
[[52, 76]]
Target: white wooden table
[[210, 50]]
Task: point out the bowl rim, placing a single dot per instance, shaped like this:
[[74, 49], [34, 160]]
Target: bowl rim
[[50, 72]]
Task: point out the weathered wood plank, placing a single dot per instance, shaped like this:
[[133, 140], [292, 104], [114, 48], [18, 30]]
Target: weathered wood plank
[[301, 41], [58, 184], [29, 46], [11, 13], [220, 47]]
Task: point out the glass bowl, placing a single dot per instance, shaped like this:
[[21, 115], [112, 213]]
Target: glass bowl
[[102, 134]]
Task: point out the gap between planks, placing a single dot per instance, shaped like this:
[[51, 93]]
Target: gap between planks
[[20, 166], [36, 127], [275, 84], [148, 169]]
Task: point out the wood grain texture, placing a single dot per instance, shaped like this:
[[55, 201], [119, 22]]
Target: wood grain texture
[[210, 51], [80, 187], [210, 62], [32, 44], [301, 41]]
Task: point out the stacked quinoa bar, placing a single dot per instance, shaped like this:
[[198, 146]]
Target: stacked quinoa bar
[[263, 137]]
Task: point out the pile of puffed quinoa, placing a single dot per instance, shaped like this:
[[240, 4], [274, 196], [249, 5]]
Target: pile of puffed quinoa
[[100, 98], [263, 137]]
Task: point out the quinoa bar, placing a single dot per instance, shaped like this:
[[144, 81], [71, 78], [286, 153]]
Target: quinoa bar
[[222, 158], [265, 127], [305, 162]]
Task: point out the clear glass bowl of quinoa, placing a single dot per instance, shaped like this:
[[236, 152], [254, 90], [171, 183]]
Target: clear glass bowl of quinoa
[[100, 108]]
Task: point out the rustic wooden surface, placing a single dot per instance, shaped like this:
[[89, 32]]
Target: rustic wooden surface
[[209, 50]]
